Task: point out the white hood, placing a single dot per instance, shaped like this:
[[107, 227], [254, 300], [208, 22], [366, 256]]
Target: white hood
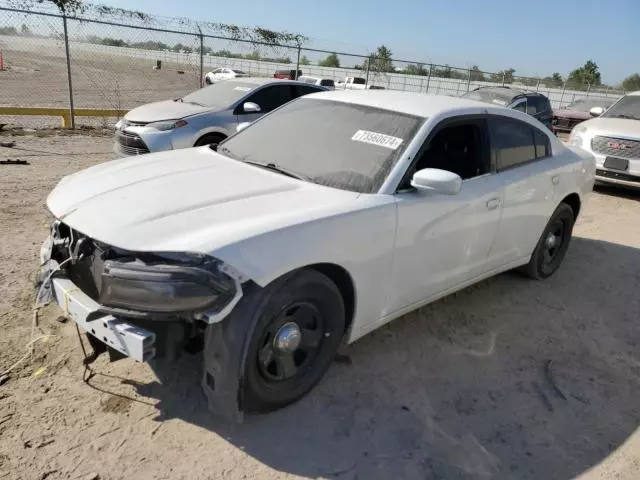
[[165, 110], [193, 200], [613, 127]]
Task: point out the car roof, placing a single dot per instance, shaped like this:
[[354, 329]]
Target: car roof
[[637, 93], [256, 80], [411, 103]]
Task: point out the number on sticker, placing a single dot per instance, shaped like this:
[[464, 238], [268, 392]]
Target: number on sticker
[[379, 139]]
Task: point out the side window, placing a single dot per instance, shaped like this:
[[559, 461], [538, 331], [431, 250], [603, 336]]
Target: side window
[[327, 83], [512, 141], [217, 70], [533, 106], [458, 148], [300, 90], [520, 105], [541, 141], [270, 98]]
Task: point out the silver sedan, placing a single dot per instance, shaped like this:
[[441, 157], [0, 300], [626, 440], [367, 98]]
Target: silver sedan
[[206, 116]]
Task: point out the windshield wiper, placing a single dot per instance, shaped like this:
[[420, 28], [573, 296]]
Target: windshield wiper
[[275, 168], [627, 117]]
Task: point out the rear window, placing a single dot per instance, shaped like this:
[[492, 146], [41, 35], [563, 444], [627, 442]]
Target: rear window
[[502, 97], [364, 142], [220, 95], [327, 83], [359, 81]]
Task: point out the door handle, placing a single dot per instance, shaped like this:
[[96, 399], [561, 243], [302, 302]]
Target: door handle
[[555, 179], [493, 203]]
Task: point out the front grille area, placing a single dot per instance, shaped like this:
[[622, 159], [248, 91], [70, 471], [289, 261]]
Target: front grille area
[[617, 176], [130, 143], [616, 147]]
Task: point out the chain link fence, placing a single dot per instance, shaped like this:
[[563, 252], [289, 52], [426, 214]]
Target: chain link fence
[[51, 60]]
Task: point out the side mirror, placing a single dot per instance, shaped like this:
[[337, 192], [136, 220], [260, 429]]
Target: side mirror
[[250, 107], [242, 126], [437, 181], [596, 111]]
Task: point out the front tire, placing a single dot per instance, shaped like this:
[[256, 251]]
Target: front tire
[[552, 246], [209, 139], [297, 334]]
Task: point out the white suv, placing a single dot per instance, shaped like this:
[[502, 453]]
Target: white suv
[[614, 139]]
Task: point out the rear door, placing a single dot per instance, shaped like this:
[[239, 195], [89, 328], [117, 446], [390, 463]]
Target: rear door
[[530, 176]]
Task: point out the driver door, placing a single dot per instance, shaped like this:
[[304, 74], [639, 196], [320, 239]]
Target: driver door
[[443, 241]]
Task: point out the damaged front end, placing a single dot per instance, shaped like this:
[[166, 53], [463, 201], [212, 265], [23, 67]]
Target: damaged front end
[[145, 305]]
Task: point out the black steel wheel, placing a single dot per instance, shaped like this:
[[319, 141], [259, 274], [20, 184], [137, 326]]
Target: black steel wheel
[[553, 244], [297, 336]]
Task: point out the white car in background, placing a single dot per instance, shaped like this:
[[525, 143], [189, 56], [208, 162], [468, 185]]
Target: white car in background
[[324, 82], [223, 74], [614, 139], [316, 224]]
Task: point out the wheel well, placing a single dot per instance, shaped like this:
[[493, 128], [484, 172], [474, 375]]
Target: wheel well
[[573, 201], [343, 281], [221, 136]]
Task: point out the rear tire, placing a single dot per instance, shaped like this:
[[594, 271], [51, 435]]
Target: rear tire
[[308, 304], [552, 246], [209, 139]]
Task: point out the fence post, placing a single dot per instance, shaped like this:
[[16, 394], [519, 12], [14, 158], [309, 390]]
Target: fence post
[[298, 63], [469, 80], [421, 84], [429, 77], [503, 78], [564, 87], [538, 85], [68, 55], [368, 68], [201, 57]]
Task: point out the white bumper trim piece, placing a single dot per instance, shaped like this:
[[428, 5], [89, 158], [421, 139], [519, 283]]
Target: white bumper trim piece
[[128, 339]]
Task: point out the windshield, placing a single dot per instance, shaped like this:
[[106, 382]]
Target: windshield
[[585, 104], [627, 107], [340, 145], [220, 95], [501, 97]]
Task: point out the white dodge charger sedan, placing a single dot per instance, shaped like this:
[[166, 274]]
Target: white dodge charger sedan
[[313, 226]]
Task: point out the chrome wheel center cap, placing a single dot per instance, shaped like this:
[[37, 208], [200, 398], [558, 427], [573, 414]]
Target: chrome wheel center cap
[[288, 337], [550, 241]]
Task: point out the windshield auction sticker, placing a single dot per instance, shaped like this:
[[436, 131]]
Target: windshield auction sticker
[[379, 139]]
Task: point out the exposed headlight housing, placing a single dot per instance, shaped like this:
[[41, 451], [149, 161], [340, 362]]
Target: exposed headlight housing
[[165, 288], [167, 125]]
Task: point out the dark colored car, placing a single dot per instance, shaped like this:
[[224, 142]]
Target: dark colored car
[[564, 119], [533, 103], [287, 74]]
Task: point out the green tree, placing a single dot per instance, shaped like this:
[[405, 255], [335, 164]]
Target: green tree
[[304, 60], [631, 83], [255, 55], [332, 60], [380, 61], [417, 69], [588, 74], [476, 74], [557, 79], [503, 75]]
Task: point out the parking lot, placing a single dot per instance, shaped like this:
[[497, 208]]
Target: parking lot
[[507, 379]]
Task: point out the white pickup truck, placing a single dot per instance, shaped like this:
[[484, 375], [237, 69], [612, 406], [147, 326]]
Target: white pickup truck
[[355, 83]]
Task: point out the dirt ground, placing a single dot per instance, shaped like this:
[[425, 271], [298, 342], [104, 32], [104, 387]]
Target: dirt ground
[[507, 379]]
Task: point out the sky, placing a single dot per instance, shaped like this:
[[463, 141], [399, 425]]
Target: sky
[[536, 38]]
